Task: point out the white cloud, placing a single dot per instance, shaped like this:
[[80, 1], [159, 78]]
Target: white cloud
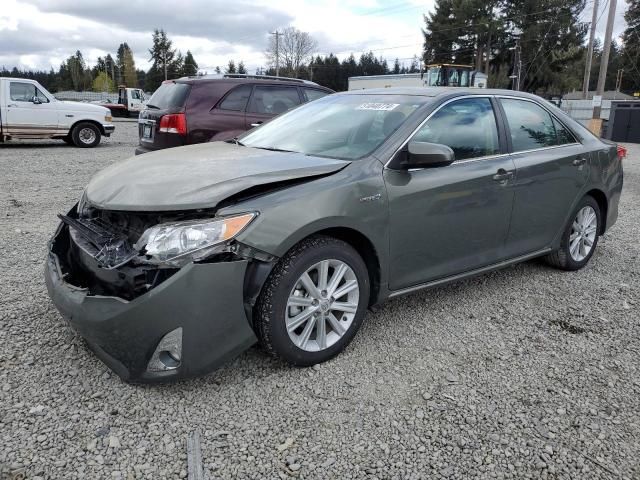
[[42, 33]]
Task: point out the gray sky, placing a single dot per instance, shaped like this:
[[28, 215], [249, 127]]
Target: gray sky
[[42, 33]]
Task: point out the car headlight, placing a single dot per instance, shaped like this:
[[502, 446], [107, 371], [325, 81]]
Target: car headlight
[[108, 118], [190, 240]]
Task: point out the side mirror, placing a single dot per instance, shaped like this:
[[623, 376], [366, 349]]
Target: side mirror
[[35, 100], [427, 155]]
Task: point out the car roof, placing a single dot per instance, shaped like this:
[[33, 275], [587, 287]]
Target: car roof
[[258, 79], [439, 91]]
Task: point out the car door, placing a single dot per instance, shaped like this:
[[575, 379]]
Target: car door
[[268, 101], [551, 169], [27, 117], [453, 219], [226, 120]]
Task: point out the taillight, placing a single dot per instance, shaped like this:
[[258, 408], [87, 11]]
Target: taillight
[[622, 152], [173, 123]]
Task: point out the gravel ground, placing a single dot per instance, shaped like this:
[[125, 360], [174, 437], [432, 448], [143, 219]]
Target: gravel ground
[[524, 373]]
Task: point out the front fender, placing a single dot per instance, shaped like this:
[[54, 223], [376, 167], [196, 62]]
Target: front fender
[[353, 198]]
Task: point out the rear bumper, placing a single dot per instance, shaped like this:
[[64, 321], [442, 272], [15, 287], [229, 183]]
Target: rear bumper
[[140, 150], [205, 300]]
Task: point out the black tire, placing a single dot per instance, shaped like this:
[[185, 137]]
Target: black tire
[[269, 312], [81, 138], [562, 258]]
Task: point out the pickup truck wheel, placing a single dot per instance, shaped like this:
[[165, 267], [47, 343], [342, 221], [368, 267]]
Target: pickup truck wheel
[[313, 302], [85, 135]]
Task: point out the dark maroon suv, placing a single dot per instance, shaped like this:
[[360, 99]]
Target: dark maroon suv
[[202, 109]]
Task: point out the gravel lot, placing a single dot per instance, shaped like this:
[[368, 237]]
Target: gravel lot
[[524, 373]]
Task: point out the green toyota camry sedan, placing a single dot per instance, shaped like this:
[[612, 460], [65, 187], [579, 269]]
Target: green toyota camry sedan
[[175, 261]]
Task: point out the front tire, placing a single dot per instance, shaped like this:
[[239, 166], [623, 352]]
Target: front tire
[[580, 237], [85, 135], [313, 302]]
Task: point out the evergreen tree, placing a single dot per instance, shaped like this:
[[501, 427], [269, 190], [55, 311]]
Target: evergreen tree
[[396, 66], [162, 55], [190, 68], [551, 40], [241, 67], [126, 74], [231, 67]]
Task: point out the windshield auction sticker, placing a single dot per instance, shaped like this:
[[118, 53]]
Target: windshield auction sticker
[[378, 106]]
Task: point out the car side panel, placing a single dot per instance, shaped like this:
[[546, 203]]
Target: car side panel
[[547, 184], [203, 120], [353, 198]]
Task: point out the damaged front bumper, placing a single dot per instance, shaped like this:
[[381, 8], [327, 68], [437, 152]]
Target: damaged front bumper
[[201, 306]]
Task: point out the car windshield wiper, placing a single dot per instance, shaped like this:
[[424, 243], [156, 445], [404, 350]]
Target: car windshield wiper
[[148, 105], [235, 140], [274, 149]]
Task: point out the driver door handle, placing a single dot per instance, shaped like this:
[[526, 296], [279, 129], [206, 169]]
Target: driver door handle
[[257, 124], [12, 105], [503, 176], [579, 161]]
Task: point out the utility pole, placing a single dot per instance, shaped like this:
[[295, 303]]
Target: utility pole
[[486, 62], [596, 121], [587, 67], [619, 79], [517, 66], [277, 34]]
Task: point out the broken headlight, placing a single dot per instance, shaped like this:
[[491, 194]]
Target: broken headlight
[[180, 242]]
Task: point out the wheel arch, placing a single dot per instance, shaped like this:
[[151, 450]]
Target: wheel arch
[[603, 203], [365, 248], [258, 272], [87, 120]]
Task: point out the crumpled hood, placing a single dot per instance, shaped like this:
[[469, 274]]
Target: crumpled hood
[[197, 176]]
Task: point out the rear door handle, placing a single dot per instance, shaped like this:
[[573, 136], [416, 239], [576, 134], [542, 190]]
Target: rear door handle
[[503, 176], [257, 124], [12, 105], [579, 161]]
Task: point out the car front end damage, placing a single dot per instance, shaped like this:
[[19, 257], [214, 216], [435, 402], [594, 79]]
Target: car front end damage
[[152, 318]]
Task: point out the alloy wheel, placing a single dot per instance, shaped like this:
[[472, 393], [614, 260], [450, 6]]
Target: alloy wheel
[[322, 305], [583, 233]]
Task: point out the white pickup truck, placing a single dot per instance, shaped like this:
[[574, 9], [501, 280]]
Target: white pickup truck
[[28, 111]]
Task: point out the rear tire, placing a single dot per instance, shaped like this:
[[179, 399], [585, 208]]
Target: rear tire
[[328, 313], [580, 237], [85, 135]]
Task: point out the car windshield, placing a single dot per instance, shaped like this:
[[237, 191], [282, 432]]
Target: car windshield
[[336, 126]]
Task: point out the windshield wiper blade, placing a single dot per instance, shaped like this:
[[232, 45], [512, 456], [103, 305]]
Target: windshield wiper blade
[[148, 105], [235, 140], [274, 149]]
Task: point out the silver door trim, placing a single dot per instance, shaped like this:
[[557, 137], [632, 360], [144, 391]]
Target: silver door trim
[[471, 273], [486, 157]]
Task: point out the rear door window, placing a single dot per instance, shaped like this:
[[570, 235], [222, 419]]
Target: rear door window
[[311, 94], [565, 136], [170, 95], [467, 126], [236, 99], [530, 125], [273, 100]]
